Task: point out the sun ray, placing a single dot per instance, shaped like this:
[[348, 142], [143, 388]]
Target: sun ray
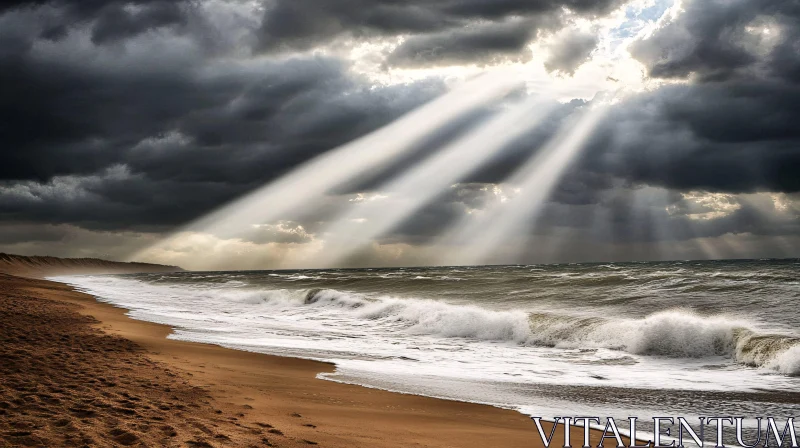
[[299, 188], [536, 179], [363, 222]]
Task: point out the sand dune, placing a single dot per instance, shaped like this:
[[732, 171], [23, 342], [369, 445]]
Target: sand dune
[[38, 267]]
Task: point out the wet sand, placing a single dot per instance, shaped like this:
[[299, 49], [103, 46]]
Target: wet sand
[[81, 373]]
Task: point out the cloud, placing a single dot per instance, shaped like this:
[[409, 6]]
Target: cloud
[[479, 44], [284, 232], [69, 241], [729, 138], [116, 22], [570, 50], [14, 233], [730, 128], [242, 115], [189, 130], [125, 119], [437, 31], [109, 20], [725, 40]]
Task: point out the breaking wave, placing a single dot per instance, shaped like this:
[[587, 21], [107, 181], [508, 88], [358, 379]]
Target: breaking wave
[[674, 333]]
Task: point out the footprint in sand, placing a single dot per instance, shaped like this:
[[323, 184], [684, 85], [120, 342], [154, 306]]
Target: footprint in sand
[[199, 444], [123, 437]]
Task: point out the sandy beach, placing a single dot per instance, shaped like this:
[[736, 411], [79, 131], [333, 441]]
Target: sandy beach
[[81, 373]]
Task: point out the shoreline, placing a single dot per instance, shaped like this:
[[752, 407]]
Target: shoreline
[[286, 393]]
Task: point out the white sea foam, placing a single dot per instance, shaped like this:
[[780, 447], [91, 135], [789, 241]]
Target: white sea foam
[[436, 318], [787, 361], [671, 334], [469, 349]]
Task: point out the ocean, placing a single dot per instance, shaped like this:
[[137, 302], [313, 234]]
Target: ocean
[[680, 338]]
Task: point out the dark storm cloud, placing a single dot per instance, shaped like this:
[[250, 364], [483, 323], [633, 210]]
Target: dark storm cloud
[[730, 138], [441, 31], [115, 22], [140, 115], [570, 51], [734, 128], [194, 159], [63, 118], [303, 24], [64, 111], [275, 124], [484, 44], [110, 20], [189, 132], [734, 137], [10, 234], [724, 40], [504, 8], [112, 200], [52, 130]]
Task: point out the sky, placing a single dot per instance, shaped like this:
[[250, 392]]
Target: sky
[[124, 124]]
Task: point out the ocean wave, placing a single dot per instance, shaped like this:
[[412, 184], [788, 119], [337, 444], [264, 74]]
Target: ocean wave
[[673, 333], [437, 318], [787, 362], [430, 317]]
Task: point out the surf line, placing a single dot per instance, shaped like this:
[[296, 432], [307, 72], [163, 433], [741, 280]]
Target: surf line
[[662, 430]]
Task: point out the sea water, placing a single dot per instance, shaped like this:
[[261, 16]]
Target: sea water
[[611, 339]]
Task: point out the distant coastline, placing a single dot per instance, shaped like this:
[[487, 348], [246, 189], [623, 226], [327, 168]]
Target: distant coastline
[[40, 266]]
